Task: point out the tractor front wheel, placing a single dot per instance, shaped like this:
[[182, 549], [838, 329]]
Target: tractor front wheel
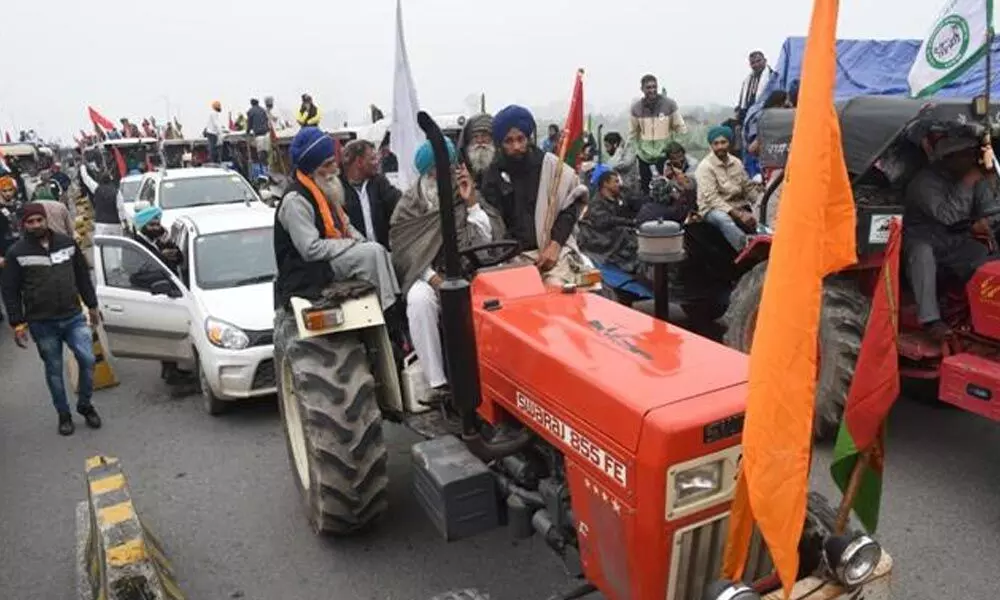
[[842, 326], [333, 428]]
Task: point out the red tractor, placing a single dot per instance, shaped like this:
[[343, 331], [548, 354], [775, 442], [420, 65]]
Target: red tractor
[[884, 147], [611, 435]]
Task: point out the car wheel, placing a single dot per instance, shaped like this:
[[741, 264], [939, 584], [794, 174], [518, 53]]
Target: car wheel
[[213, 404]]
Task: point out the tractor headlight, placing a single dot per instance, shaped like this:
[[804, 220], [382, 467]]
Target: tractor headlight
[[225, 335], [701, 482], [852, 558], [697, 482], [727, 590]]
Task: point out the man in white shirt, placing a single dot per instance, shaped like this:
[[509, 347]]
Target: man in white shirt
[[369, 198], [214, 131]]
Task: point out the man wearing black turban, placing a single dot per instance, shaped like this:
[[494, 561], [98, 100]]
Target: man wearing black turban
[[539, 197]]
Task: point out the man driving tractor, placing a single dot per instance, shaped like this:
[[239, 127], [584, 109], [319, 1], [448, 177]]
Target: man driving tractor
[[952, 191]]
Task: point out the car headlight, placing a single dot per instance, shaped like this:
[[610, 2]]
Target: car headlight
[[727, 590], [852, 558], [697, 482], [225, 335]]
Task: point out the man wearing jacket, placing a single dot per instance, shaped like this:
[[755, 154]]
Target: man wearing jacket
[[107, 200], [368, 196], [655, 119], [43, 281]]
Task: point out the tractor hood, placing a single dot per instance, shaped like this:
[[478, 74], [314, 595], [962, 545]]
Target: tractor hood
[[597, 361]]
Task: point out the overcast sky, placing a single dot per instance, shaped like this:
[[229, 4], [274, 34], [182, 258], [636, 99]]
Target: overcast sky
[[137, 59]]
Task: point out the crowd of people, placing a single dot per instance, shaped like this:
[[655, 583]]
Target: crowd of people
[[340, 218]]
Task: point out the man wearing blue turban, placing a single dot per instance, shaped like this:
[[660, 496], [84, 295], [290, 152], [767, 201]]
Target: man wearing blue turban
[[314, 241], [417, 244], [539, 197], [726, 196]]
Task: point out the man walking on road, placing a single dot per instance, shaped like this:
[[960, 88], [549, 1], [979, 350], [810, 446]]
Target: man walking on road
[[42, 282]]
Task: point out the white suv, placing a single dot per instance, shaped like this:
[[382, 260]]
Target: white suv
[[189, 191], [216, 315]]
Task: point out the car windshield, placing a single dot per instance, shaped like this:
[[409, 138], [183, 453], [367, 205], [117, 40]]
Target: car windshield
[[234, 258], [204, 191], [129, 190]]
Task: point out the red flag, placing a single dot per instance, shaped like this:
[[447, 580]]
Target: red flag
[[120, 161], [6, 136], [232, 126], [876, 377], [98, 119], [571, 143]]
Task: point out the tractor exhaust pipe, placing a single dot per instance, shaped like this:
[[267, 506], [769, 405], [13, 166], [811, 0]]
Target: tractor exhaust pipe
[[456, 296]]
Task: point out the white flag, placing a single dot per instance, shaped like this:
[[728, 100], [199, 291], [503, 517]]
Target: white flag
[[405, 135], [956, 41]]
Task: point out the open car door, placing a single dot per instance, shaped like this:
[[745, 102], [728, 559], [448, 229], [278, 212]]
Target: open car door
[[145, 307]]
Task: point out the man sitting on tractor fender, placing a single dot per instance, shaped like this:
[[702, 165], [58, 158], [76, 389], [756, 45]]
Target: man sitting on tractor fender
[[952, 189], [539, 197], [417, 244], [314, 242], [726, 196]]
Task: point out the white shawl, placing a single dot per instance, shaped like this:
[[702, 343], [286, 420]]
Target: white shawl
[[558, 188]]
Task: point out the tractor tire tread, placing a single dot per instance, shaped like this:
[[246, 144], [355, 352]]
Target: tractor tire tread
[[347, 455], [842, 326]]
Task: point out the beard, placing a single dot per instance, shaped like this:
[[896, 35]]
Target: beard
[[331, 188], [480, 157], [429, 192]]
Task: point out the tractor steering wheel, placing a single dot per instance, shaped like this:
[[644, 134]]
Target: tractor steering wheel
[[509, 249]]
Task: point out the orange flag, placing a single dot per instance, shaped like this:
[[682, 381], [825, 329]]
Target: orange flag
[[815, 237]]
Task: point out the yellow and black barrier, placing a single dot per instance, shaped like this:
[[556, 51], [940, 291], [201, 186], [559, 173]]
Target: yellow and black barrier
[[120, 559]]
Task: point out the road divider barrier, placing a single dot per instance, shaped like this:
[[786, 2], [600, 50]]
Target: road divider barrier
[[118, 557], [104, 375]]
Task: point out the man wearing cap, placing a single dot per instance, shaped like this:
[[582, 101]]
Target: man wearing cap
[[955, 188], [43, 281], [416, 240], [477, 146], [308, 115], [539, 197], [314, 241], [726, 196]]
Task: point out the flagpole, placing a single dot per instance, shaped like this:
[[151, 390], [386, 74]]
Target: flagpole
[[854, 484]]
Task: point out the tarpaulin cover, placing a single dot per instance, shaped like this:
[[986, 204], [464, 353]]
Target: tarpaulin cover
[[878, 68]]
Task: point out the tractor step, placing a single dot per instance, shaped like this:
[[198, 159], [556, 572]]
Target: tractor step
[[433, 423], [972, 383]]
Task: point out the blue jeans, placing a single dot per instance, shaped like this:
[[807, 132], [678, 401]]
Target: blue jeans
[[49, 336], [730, 230]]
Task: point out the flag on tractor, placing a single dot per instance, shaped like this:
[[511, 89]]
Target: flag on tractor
[[406, 135], [572, 140], [958, 39], [874, 389], [100, 120], [817, 238], [120, 162]]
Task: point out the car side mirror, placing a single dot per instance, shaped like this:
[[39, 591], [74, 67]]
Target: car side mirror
[[141, 205], [164, 287]]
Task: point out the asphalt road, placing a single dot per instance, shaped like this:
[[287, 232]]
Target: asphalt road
[[219, 493]]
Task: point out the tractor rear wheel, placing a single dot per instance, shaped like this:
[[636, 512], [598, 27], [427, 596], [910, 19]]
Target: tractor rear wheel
[[842, 326], [333, 428]]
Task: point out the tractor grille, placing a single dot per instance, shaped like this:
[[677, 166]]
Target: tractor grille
[[263, 377], [697, 558]]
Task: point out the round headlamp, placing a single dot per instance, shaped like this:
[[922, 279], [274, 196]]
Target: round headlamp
[[852, 558]]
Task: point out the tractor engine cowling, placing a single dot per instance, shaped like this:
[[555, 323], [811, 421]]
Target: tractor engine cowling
[[983, 291]]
